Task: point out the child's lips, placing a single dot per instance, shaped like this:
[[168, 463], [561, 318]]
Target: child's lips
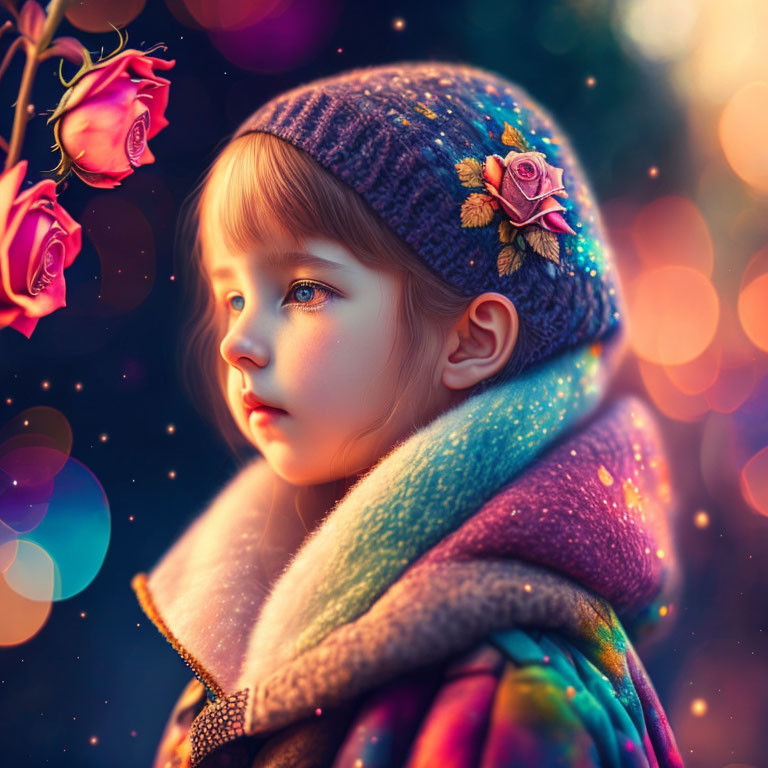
[[265, 414]]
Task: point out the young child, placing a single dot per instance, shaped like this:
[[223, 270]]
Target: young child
[[408, 308]]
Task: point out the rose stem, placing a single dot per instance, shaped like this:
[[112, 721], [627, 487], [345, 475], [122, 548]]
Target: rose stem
[[21, 117]]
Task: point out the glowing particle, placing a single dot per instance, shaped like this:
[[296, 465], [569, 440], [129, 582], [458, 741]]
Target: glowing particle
[[318, 711], [699, 707], [570, 691], [339, 50], [45, 384], [83, 614], [103, 437], [8, 400], [130, 518], [172, 278], [172, 474], [93, 741], [528, 588], [398, 24], [79, 386], [170, 429], [663, 610], [632, 497], [701, 519], [591, 82], [423, 109], [660, 554], [653, 171], [606, 478]]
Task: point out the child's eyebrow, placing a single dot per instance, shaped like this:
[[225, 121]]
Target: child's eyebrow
[[297, 258]]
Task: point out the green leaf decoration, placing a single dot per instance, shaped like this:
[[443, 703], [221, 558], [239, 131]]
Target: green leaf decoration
[[507, 232], [470, 172], [509, 260], [477, 210], [544, 242], [513, 137], [520, 241]]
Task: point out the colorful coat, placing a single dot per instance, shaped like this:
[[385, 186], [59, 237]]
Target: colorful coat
[[463, 605]]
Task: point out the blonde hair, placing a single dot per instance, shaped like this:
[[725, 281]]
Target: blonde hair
[[260, 188]]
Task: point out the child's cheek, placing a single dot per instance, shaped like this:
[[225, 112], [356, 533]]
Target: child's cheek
[[338, 370]]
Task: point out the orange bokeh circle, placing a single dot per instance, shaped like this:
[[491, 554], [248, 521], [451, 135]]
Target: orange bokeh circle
[[753, 311], [743, 127], [673, 314], [754, 481], [672, 230]]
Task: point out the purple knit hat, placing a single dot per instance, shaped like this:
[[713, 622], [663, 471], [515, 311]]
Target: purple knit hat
[[476, 178]]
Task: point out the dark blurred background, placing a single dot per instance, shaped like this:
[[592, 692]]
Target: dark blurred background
[[666, 102]]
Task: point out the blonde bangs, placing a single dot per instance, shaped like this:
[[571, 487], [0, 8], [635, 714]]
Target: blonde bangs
[[246, 200]]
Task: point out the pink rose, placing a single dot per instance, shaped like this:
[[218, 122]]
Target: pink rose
[[38, 241], [105, 119], [524, 183]]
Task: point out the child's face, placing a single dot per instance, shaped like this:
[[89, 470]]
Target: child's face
[[318, 341]]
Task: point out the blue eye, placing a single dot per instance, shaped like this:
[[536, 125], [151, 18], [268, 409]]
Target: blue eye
[[305, 294], [237, 303]]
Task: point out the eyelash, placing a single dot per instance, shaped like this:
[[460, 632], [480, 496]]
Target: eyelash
[[304, 306]]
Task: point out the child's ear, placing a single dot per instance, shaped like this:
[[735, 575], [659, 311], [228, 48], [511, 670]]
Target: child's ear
[[478, 345]]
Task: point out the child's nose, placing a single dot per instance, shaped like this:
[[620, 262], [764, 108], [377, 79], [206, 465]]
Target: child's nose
[[242, 346]]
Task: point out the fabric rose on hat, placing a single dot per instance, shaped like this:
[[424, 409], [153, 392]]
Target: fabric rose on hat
[[105, 119], [522, 187], [524, 184], [38, 241]]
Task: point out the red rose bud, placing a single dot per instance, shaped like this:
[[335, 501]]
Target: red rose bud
[[104, 121]]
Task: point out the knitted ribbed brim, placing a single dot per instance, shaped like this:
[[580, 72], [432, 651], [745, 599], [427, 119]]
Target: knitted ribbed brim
[[476, 178]]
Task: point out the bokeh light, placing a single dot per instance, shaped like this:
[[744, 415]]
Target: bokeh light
[[32, 573], [76, 529], [754, 481], [734, 384], [699, 707], [743, 128], [54, 521], [753, 311], [23, 504], [698, 375], [701, 519], [661, 29], [672, 230], [232, 15], [730, 49], [283, 40], [96, 15], [673, 314], [49, 426], [8, 546], [667, 397], [125, 243], [21, 618]]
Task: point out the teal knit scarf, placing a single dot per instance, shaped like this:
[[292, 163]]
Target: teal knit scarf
[[413, 497]]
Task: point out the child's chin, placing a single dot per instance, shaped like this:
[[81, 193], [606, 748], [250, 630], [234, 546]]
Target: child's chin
[[297, 473]]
